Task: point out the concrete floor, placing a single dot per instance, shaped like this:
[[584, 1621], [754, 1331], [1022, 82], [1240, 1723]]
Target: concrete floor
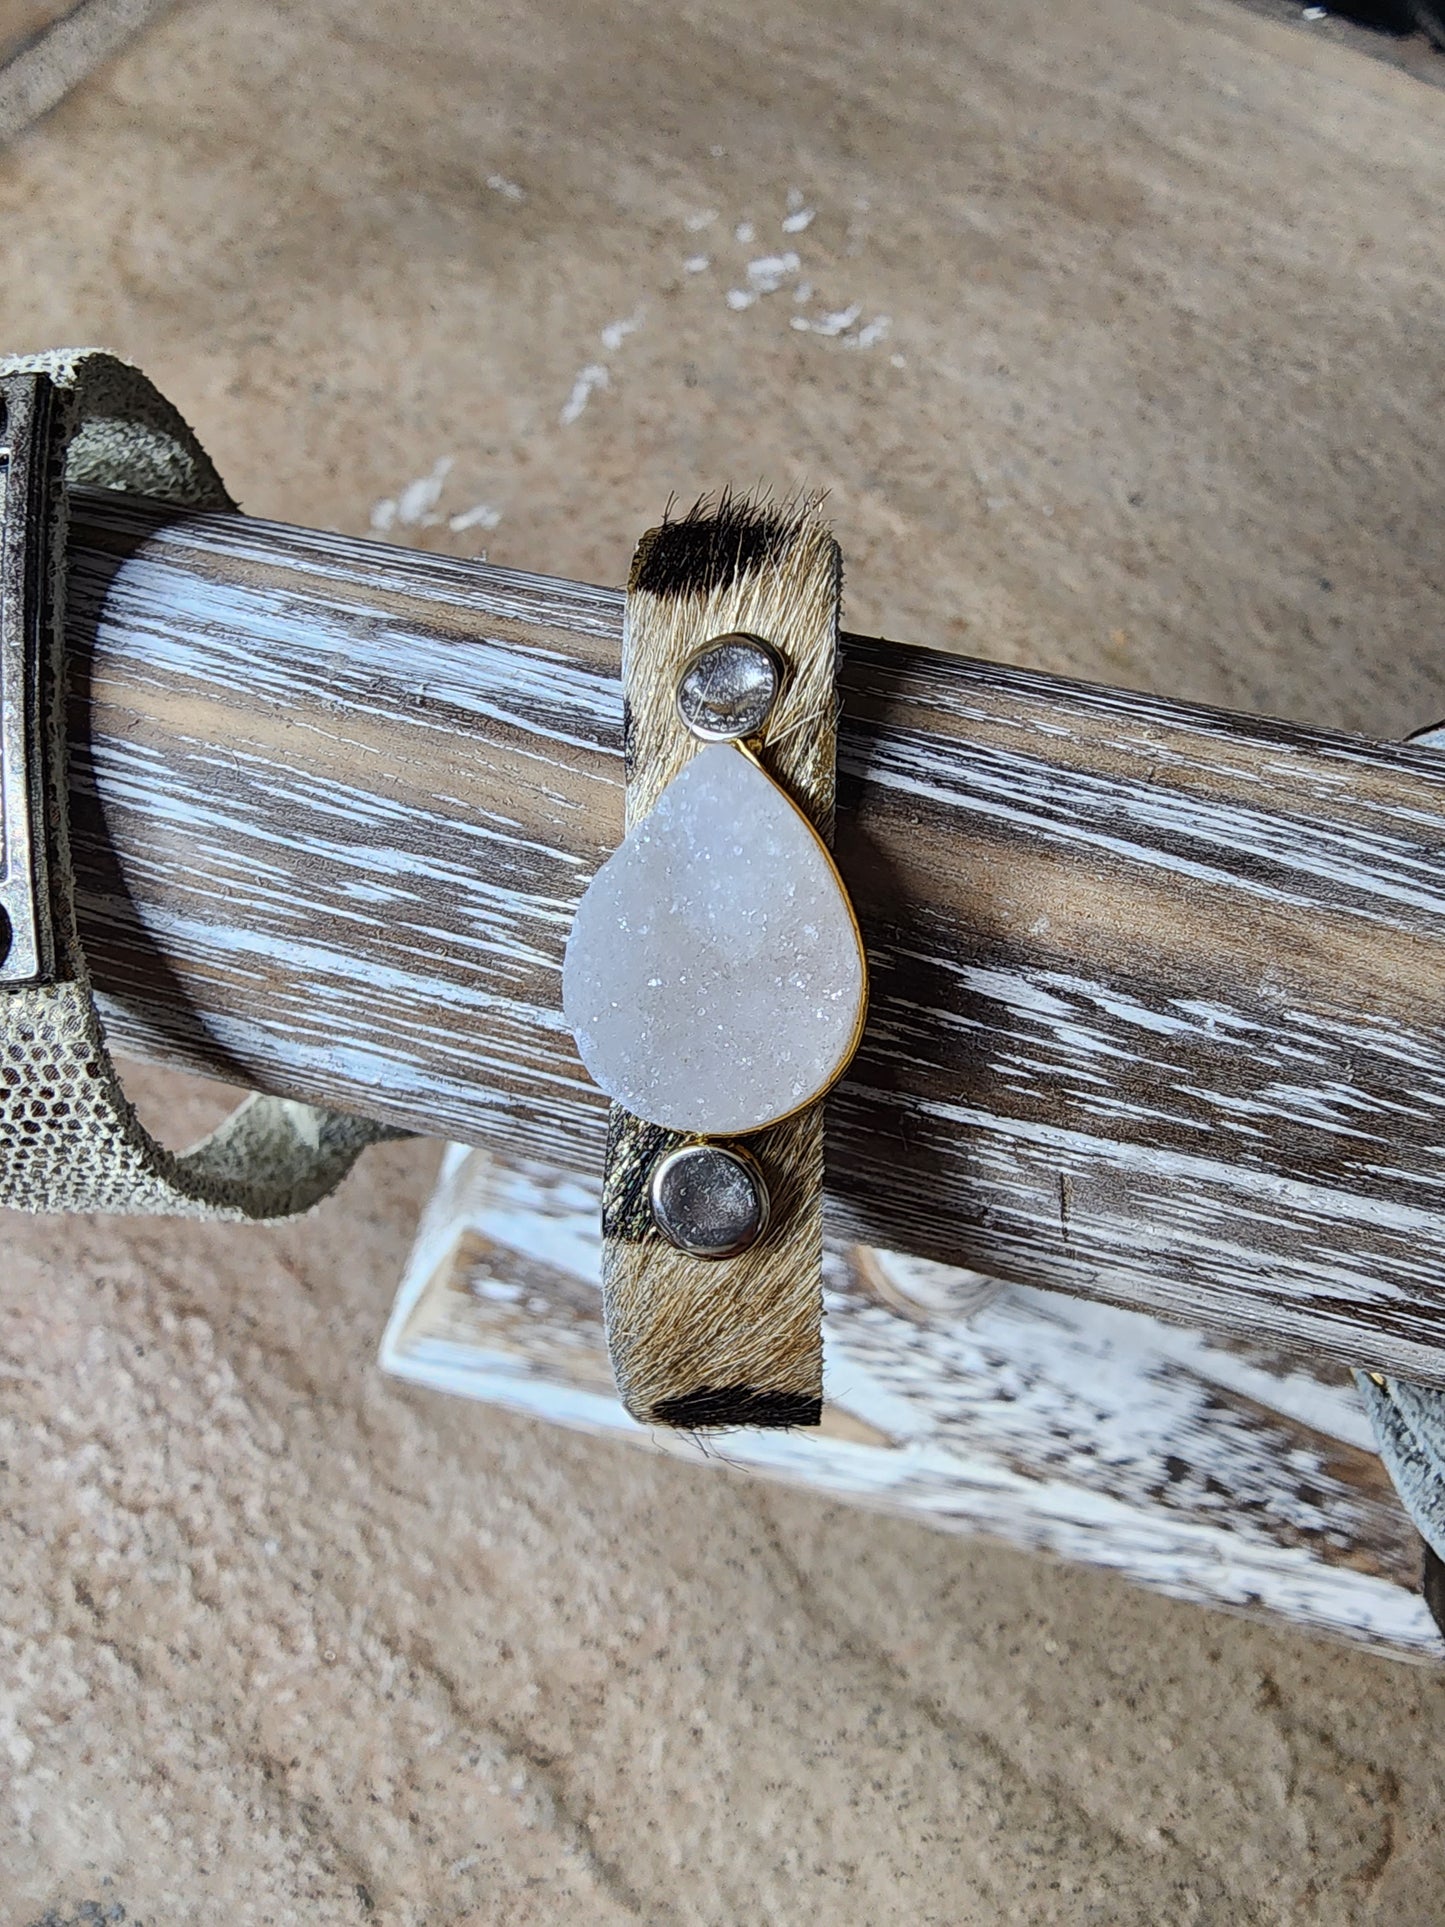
[[1157, 402]]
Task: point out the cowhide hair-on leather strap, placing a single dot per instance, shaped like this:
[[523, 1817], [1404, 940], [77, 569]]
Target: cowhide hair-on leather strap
[[703, 1342]]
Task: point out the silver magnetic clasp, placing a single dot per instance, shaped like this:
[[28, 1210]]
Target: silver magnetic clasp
[[26, 525]]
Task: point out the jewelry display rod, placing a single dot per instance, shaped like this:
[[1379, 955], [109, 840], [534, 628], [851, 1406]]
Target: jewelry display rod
[[1157, 992]]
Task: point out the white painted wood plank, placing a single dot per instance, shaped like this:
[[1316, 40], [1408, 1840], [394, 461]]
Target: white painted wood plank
[[1205, 1470]]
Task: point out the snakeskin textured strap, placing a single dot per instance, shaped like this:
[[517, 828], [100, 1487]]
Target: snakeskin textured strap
[[69, 1138]]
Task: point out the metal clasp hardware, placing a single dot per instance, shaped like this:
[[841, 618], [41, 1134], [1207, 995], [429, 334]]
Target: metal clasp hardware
[[26, 936]]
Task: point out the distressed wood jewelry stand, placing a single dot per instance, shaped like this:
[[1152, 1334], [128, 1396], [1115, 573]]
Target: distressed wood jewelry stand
[[1158, 1022]]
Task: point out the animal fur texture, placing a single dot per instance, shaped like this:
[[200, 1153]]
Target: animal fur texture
[[698, 1343]]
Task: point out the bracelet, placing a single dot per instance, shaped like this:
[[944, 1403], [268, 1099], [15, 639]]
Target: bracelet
[[69, 1138], [715, 978]]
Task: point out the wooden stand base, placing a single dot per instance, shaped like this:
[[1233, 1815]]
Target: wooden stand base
[[1203, 1467]]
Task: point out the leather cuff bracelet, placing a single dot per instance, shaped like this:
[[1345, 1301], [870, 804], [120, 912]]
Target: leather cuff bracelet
[[69, 1138], [715, 977]]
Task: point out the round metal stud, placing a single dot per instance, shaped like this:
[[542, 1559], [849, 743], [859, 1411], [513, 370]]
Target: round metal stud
[[710, 1200], [728, 687]]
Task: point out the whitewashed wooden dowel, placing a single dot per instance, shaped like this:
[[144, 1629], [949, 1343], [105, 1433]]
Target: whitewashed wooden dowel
[[1212, 1471], [1158, 993]]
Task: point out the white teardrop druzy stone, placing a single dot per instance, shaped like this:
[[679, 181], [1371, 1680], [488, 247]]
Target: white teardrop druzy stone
[[714, 978]]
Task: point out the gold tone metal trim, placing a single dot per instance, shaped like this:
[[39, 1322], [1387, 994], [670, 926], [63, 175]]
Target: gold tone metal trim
[[861, 1023]]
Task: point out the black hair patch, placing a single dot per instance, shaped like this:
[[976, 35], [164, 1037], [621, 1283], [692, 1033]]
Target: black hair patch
[[713, 1405], [633, 1151], [715, 543]]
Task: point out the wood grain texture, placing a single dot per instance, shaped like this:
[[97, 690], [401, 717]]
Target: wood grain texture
[[1158, 992], [1213, 1471], [698, 1342]]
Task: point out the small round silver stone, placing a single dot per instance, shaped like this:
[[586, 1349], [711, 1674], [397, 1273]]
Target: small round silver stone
[[727, 690], [710, 1200]]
